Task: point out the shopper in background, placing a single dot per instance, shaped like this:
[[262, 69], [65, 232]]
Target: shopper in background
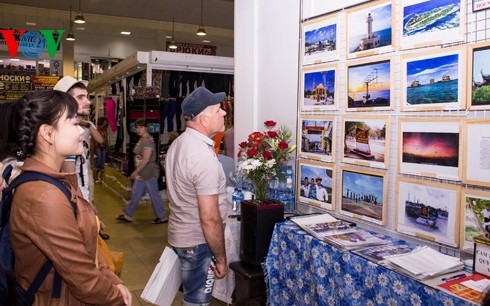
[[229, 139], [196, 186], [81, 163], [44, 131], [145, 176], [100, 149]]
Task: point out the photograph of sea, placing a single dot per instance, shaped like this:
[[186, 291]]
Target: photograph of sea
[[362, 194], [433, 80], [440, 149], [322, 39], [369, 85], [319, 88], [430, 16], [316, 137], [378, 32], [480, 94]]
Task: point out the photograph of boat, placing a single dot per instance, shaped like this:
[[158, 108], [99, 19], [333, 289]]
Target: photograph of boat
[[370, 28], [439, 149], [431, 16], [480, 89], [319, 88], [369, 85], [433, 80]]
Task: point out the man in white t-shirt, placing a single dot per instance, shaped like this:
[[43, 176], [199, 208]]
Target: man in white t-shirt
[[486, 217], [321, 192]]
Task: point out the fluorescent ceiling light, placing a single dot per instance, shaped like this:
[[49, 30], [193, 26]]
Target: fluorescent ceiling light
[[206, 41], [168, 36], [125, 33], [14, 59], [31, 23]]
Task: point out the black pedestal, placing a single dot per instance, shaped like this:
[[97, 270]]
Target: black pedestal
[[257, 224], [249, 283]]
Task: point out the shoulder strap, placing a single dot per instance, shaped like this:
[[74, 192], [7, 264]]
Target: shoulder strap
[[28, 176]]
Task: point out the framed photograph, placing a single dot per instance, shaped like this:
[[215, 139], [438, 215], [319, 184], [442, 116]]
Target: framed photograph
[[317, 136], [480, 5], [476, 218], [434, 80], [316, 184], [364, 194], [313, 8], [476, 141], [428, 23], [319, 88], [320, 40], [479, 76], [370, 85], [369, 29], [366, 140], [428, 210], [430, 147]]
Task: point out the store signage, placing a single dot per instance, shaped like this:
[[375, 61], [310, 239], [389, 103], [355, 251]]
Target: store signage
[[32, 43], [193, 49]]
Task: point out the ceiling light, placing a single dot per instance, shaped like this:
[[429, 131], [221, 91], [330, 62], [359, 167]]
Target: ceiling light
[[206, 41], [30, 23], [70, 36], [14, 60], [79, 18], [125, 33], [200, 30], [172, 44], [80, 28], [168, 36]]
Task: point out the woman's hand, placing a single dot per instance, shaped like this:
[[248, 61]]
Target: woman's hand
[[127, 297]]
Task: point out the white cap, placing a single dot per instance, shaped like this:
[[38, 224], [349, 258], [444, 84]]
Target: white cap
[[67, 82]]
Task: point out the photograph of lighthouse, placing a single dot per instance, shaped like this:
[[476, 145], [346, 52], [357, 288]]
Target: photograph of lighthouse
[[320, 40], [370, 30], [318, 86], [427, 23], [479, 95], [428, 210], [369, 86]]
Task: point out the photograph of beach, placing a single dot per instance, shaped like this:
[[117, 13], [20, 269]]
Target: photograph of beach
[[369, 85], [433, 80], [370, 28], [319, 88], [480, 90]]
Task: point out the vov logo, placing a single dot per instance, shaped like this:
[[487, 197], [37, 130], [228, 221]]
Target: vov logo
[[32, 43]]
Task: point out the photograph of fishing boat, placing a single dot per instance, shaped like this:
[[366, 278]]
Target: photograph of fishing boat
[[477, 206], [369, 85], [433, 80], [441, 149], [428, 210], [320, 40], [365, 140], [319, 88], [480, 89], [370, 28], [363, 194], [431, 16], [317, 138]]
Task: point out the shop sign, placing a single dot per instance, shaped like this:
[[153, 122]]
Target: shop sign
[[32, 43], [14, 85], [193, 49], [44, 82]]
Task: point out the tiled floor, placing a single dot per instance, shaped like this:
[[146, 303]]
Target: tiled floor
[[141, 241]]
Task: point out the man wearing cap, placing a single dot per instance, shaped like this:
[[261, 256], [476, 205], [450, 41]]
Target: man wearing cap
[[196, 188], [81, 164]]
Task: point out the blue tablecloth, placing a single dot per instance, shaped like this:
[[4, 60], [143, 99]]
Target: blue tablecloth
[[302, 270]]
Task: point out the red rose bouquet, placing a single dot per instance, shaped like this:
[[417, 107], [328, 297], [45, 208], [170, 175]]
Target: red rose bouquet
[[262, 154]]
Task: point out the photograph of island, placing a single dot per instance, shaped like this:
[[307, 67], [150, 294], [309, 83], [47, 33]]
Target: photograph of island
[[480, 85], [316, 184], [428, 209], [317, 137], [320, 40], [431, 22], [369, 85], [365, 140], [433, 80], [370, 28], [319, 88], [363, 194]]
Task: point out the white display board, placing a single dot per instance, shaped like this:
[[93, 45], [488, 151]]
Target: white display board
[[312, 8]]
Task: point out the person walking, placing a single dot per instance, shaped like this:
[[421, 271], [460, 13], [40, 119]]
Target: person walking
[[145, 176], [197, 197], [100, 149]]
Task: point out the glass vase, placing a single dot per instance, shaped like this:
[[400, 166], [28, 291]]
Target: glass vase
[[260, 189]]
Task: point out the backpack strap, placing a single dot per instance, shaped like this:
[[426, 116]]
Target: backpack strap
[[28, 176]]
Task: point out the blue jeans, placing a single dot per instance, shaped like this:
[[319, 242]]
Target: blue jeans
[[151, 185], [197, 274], [100, 159]]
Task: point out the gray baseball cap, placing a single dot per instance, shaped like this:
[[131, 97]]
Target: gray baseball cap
[[198, 100]]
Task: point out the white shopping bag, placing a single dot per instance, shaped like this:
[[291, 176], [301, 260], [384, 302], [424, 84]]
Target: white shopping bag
[[164, 281]]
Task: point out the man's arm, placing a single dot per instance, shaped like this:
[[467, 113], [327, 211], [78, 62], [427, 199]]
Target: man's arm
[[93, 131], [212, 227]]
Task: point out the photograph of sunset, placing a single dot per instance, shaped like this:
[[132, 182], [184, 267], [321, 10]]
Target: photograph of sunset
[[439, 149]]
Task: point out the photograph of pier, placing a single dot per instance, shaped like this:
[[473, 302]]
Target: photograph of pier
[[369, 85]]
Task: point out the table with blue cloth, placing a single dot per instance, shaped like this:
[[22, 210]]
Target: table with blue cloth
[[302, 270]]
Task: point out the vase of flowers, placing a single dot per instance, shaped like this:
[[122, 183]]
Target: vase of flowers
[[262, 154]]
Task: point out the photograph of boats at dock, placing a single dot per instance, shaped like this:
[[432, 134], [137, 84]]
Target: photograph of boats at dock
[[428, 22], [366, 140], [319, 88], [369, 86], [428, 210], [320, 40], [480, 77], [370, 29], [432, 82], [430, 147], [317, 137], [364, 194]]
